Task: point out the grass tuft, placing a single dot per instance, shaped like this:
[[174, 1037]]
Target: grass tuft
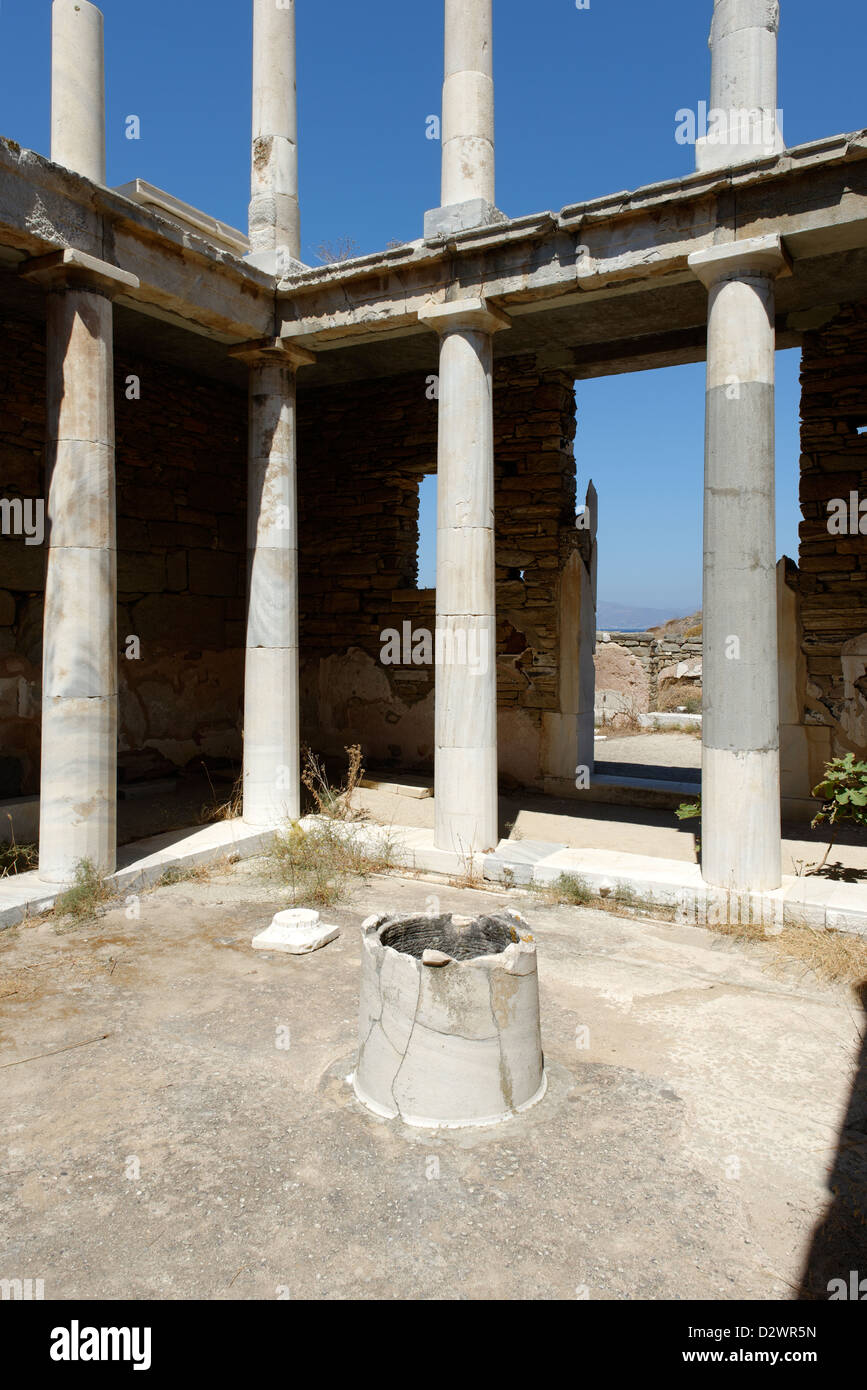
[[17, 859], [334, 802], [569, 889], [86, 894]]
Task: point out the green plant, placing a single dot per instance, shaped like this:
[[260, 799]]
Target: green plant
[[319, 863], [570, 889], [690, 810], [85, 894], [843, 793]]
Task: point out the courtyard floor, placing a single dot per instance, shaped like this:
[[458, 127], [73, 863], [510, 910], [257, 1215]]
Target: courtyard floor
[[163, 1141]]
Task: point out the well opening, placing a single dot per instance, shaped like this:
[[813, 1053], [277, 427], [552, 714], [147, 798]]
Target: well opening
[[462, 938]]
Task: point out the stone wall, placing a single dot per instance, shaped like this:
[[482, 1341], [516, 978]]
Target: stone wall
[[364, 450], [832, 581], [631, 665]]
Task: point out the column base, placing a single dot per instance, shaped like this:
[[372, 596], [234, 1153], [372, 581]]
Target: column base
[[461, 217], [711, 157], [741, 838], [465, 800], [78, 796], [276, 262], [272, 774]]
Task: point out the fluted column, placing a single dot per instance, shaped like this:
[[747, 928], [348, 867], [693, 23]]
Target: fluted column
[[740, 837], [742, 121], [465, 771], [272, 785]]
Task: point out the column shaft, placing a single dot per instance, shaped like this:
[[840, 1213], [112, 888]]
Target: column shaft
[[274, 220], [78, 88], [742, 121], [466, 675], [741, 847], [468, 103], [465, 766], [271, 701], [79, 694], [743, 43]]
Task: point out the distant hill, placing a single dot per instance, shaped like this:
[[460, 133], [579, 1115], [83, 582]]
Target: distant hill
[[622, 617]]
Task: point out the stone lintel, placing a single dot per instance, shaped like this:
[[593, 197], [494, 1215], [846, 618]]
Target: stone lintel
[[71, 269], [475, 314], [757, 255], [280, 352]]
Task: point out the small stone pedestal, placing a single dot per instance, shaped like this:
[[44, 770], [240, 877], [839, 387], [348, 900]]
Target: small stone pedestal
[[449, 1020], [296, 931]]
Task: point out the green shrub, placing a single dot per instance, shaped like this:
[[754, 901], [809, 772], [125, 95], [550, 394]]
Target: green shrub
[[843, 793]]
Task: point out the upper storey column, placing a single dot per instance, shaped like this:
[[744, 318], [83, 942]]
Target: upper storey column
[[78, 88], [743, 119], [274, 219], [467, 121]]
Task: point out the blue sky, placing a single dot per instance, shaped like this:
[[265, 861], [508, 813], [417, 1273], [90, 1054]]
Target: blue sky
[[586, 103]]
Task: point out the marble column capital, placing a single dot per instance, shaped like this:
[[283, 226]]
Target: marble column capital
[[274, 352], [458, 314], [734, 260], [76, 270]]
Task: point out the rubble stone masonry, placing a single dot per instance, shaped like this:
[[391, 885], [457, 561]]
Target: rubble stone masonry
[[833, 562]]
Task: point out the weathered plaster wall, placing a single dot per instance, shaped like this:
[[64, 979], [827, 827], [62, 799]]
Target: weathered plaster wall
[[363, 451], [833, 567]]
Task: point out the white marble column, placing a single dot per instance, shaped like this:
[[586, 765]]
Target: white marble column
[[78, 88], [468, 102], [740, 834], [272, 772], [742, 121], [274, 218], [465, 771], [79, 680], [467, 191]]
